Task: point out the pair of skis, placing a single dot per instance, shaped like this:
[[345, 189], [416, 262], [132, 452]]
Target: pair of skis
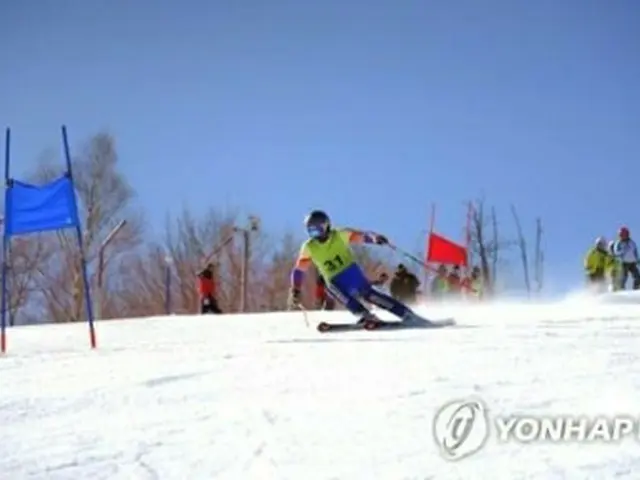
[[372, 325]]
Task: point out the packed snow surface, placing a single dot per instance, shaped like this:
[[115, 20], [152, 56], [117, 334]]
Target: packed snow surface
[[267, 397]]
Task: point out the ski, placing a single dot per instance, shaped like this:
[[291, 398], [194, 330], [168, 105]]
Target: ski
[[345, 327], [324, 327]]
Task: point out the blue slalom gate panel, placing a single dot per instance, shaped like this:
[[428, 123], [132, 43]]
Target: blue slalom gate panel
[[40, 208]]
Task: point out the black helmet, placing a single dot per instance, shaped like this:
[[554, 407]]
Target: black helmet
[[318, 224]]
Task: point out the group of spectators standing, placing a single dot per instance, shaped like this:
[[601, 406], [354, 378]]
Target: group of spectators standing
[[608, 265], [447, 284]]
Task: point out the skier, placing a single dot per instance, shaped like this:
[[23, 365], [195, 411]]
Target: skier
[[626, 250], [329, 250]]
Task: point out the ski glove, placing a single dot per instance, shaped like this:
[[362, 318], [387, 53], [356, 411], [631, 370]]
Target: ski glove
[[294, 298]]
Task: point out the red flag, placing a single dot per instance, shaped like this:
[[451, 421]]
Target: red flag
[[443, 250]]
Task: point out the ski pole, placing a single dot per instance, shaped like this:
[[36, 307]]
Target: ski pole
[[304, 315], [412, 258]]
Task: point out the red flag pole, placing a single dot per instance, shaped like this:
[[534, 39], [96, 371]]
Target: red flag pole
[[427, 243], [432, 222], [433, 218], [468, 234]]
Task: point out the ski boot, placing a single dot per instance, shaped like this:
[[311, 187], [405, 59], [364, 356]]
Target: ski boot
[[370, 322], [411, 318], [323, 327]]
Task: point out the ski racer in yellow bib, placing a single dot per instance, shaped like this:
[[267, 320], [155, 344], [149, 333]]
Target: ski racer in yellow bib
[[329, 249]]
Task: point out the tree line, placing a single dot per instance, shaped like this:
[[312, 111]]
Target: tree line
[[128, 274]]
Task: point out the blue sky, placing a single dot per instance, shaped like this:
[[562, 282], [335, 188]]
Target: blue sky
[[369, 109]]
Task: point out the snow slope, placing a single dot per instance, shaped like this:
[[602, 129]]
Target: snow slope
[[264, 397]]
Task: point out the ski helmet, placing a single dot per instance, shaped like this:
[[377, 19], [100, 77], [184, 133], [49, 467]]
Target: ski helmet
[[317, 224], [623, 233], [601, 242]]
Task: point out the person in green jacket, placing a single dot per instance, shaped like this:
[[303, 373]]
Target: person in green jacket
[[440, 283], [595, 264]]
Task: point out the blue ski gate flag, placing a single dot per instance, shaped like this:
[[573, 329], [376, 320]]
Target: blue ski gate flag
[[40, 208]]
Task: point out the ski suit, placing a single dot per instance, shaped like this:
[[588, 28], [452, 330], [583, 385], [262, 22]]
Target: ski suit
[[344, 278]]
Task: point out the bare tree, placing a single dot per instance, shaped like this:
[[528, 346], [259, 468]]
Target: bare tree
[[144, 274], [494, 238], [191, 242], [242, 261], [275, 280], [522, 244], [24, 255], [487, 249], [105, 199], [491, 249], [539, 258]]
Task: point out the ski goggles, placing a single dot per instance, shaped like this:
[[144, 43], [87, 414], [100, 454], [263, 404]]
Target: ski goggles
[[316, 231]]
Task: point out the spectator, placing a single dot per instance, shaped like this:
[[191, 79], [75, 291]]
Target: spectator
[[595, 264], [474, 284], [404, 285], [455, 280], [626, 250], [440, 284], [207, 290]]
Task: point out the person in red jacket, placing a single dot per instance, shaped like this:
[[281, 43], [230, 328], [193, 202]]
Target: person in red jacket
[[207, 290]]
